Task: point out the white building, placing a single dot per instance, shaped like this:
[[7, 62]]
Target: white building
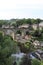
[[36, 44], [34, 26], [24, 26], [41, 25]]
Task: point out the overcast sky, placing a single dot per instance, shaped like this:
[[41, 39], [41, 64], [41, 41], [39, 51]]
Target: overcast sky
[[21, 9]]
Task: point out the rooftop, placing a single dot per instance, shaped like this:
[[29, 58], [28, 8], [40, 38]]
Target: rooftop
[[24, 26]]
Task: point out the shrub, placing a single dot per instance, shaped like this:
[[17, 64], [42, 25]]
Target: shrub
[[35, 62]]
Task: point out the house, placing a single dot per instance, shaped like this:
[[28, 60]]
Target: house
[[41, 44], [24, 26], [34, 26], [41, 25], [36, 44], [5, 26]]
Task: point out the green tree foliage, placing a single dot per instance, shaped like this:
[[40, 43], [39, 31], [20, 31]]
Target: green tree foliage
[[1, 36], [37, 33], [7, 47], [1, 23], [17, 22], [36, 62], [29, 47], [18, 32], [25, 61], [26, 47], [23, 21], [42, 62]]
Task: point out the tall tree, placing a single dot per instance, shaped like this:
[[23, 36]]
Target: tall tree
[[7, 47]]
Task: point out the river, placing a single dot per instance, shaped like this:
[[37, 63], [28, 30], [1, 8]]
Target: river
[[18, 57]]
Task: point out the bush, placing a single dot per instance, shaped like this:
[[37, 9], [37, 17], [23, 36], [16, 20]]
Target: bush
[[7, 47], [36, 62], [41, 62]]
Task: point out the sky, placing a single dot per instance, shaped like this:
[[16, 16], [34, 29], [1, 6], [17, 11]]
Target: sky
[[21, 9]]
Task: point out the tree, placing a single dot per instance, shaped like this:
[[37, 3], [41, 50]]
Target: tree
[[7, 47], [37, 33], [26, 47], [25, 61], [29, 46], [18, 32], [19, 22], [3, 22], [28, 21], [37, 22], [1, 36], [36, 62]]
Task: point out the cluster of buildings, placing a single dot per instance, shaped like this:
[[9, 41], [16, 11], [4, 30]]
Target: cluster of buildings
[[24, 29]]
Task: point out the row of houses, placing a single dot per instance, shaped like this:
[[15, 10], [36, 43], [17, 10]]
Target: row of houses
[[34, 26]]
